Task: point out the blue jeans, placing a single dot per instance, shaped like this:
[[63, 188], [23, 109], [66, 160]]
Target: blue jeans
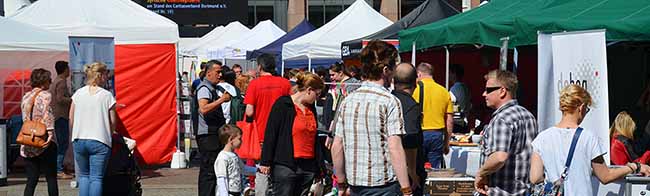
[[433, 144], [62, 131], [91, 157], [391, 189]]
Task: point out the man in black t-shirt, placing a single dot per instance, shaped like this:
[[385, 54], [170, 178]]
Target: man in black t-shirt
[[404, 81]]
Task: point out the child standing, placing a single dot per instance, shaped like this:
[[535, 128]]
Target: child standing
[[228, 167]]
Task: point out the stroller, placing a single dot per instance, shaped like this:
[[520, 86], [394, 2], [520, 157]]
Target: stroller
[[122, 173]]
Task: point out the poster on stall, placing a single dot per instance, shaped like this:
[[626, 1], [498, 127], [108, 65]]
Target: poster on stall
[[85, 50], [574, 58]]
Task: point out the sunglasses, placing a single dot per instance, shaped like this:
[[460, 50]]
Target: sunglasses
[[489, 90]]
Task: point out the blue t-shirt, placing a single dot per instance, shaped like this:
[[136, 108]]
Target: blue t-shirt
[[196, 83]]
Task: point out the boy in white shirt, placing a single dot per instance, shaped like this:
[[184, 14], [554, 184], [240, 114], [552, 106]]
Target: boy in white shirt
[[228, 167]]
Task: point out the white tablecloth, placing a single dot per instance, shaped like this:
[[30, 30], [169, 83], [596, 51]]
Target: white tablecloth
[[463, 159]]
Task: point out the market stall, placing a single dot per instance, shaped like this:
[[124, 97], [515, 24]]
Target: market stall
[[324, 43], [24, 47], [216, 38], [145, 64], [262, 34]]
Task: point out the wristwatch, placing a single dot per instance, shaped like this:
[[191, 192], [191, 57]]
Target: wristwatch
[[638, 167], [406, 191]]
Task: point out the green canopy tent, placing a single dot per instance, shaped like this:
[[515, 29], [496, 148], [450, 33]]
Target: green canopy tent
[[484, 25], [624, 20]]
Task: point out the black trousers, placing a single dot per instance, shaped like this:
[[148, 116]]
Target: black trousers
[[288, 182], [209, 149], [44, 163]]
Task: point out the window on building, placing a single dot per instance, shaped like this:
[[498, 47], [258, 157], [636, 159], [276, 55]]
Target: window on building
[[251, 16], [258, 13], [264, 13], [316, 17], [376, 5], [332, 11]]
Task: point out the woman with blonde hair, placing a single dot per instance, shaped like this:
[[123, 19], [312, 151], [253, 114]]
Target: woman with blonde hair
[[568, 144], [35, 106], [290, 149], [92, 114], [622, 140]]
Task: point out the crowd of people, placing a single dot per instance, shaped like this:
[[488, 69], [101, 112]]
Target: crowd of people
[[376, 128], [380, 140]]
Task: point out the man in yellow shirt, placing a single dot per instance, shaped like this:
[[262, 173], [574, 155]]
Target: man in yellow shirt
[[437, 109]]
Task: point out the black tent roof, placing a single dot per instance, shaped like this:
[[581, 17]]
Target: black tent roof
[[428, 12]]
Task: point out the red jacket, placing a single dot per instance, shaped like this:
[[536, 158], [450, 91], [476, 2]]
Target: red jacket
[[621, 156]]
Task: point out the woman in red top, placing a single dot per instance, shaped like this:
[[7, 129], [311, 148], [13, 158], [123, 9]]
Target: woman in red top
[[290, 153], [622, 136]]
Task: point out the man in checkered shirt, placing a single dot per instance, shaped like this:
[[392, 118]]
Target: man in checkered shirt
[[367, 150], [506, 145]]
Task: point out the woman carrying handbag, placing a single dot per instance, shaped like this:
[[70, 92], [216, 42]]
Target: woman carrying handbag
[[565, 155], [40, 157]]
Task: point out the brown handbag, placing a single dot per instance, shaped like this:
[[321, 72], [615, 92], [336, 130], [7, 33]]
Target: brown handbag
[[34, 132]]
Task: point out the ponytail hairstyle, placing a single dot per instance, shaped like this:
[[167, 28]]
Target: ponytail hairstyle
[[94, 72], [306, 80], [376, 56]]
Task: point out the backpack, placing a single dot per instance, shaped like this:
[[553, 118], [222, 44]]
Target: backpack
[[237, 106]]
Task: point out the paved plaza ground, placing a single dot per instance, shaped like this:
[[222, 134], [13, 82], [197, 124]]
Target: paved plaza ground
[[155, 181]]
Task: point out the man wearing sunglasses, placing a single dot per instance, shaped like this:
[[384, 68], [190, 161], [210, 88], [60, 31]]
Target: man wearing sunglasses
[[506, 146]]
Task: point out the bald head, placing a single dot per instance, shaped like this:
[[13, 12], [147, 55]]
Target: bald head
[[405, 77]]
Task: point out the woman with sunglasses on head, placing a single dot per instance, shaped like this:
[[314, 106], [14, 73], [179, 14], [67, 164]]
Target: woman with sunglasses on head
[[551, 149], [290, 153]]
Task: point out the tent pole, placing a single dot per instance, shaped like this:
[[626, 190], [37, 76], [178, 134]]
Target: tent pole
[[447, 67], [413, 55], [176, 158], [309, 64], [515, 58], [282, 71], [503, 64]]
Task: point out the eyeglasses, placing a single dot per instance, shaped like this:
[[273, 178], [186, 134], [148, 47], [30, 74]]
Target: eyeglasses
[[489, 90], [587, 109]]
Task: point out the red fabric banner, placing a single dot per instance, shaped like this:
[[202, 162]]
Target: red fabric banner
[[145, 89]]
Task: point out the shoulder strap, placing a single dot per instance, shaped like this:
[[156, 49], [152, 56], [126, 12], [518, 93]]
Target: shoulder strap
[[32, 102], [220, 88], [574, 142], [421, 84], [212, 92]]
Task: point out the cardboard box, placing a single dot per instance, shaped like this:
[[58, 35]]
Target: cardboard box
[[454, 186]]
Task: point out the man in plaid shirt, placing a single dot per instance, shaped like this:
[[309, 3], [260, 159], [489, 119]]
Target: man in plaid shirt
[[367, 150], [506, 145]]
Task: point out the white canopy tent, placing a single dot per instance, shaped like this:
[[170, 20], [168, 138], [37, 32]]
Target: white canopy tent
[[357, 21], [215, 33], [23, 48], [261, 35], [217, 38], [125, 20], [145, 53]]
